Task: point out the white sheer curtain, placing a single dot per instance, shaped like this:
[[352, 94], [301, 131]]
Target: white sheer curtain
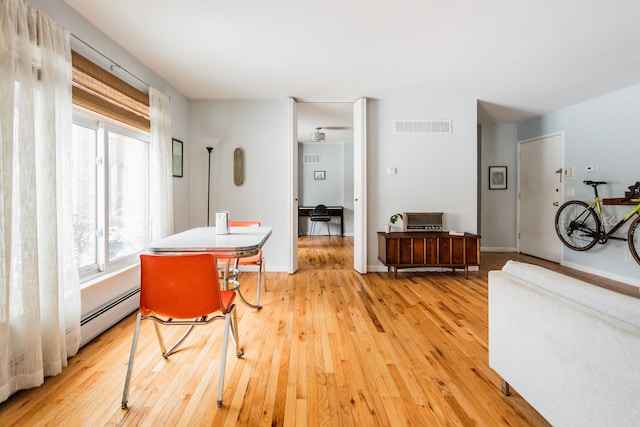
[[39, 284], [161, 171]]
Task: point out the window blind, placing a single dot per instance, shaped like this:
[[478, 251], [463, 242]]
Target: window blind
[[99, 91]]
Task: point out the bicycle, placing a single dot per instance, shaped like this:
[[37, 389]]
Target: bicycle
[[579, 227]]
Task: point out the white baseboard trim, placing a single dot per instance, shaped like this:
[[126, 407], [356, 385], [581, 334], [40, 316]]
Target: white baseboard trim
[[607, 274], [497, 249]]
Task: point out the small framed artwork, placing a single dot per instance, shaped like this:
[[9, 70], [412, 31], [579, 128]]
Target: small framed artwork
[[177, 158], [497, 177], [319, 175]]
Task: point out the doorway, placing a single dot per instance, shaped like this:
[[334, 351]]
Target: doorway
[[328, 167], [540, 191]]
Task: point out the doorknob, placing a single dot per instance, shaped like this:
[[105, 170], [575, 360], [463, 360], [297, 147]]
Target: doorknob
[[560, 172], [556, 203]]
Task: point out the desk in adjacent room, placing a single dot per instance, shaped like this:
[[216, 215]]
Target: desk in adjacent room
[[337, 211]]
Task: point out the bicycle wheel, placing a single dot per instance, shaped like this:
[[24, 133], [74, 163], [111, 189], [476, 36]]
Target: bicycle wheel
[[577, 225], [633, 239]]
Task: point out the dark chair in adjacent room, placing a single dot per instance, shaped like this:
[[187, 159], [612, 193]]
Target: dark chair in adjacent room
[[178, 290], [320, 214]]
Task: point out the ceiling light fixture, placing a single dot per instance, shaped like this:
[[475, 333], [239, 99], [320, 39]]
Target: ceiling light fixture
[[317, 136]]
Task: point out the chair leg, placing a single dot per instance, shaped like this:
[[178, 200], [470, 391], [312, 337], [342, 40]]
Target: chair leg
[[328, 229], [134, 344], [260, 269], [233, 325], [234, 333], [259, 287], [223, 357], [166, 353], [160, 340]]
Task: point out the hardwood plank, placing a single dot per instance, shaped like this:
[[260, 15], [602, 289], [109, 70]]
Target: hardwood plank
[[330, 347]]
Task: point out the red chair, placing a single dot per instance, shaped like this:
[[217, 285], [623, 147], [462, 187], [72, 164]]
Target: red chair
[[183, 290], [257, 260]]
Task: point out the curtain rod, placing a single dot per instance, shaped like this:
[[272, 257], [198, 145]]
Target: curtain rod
[[114, 64]]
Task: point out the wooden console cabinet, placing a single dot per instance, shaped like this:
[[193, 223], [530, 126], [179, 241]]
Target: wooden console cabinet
[[428, 249]]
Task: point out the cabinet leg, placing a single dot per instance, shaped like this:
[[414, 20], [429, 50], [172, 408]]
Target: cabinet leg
[[504, 387]]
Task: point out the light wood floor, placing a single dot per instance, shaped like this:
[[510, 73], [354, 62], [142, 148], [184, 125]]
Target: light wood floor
[[330, 347]]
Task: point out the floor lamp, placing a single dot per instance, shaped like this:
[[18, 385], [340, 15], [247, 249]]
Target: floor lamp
[[209, 149]]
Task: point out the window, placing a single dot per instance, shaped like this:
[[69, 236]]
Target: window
[[128, 195], [110, 194], [110, 169], [84, 195]]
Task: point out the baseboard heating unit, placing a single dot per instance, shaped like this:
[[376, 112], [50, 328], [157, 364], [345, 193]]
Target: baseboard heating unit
[[96, 322]]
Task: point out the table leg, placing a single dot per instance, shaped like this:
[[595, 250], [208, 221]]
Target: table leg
[[225, 274], [226, 278]]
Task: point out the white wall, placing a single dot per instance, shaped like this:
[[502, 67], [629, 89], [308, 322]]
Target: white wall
[[260, 128], [335, 190], [435, 173], [602, 132], [498, 219], [329, 191]]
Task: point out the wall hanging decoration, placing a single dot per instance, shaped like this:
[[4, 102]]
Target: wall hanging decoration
[[209, 149], [497, 177], [177, 158], [238, 166]]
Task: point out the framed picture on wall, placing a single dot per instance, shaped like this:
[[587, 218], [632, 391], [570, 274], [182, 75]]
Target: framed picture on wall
[[177, 158], [318, 175], [497, 177]]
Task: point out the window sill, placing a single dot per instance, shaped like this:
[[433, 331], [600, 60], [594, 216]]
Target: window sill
[[98, 278]]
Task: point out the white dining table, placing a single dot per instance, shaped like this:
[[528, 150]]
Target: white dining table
[[238, 243]]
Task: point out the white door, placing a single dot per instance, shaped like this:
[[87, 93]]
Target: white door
[[293, 186], [540, 193], [360, 185]]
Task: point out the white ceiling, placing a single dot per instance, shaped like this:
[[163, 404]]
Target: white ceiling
[[335, 119], [518, 58]]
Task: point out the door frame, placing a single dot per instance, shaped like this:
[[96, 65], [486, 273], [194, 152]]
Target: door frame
[[359, 190], [293, 184], [360, 185]]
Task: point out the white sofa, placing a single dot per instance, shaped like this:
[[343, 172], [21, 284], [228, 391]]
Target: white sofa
[[571, 349]]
